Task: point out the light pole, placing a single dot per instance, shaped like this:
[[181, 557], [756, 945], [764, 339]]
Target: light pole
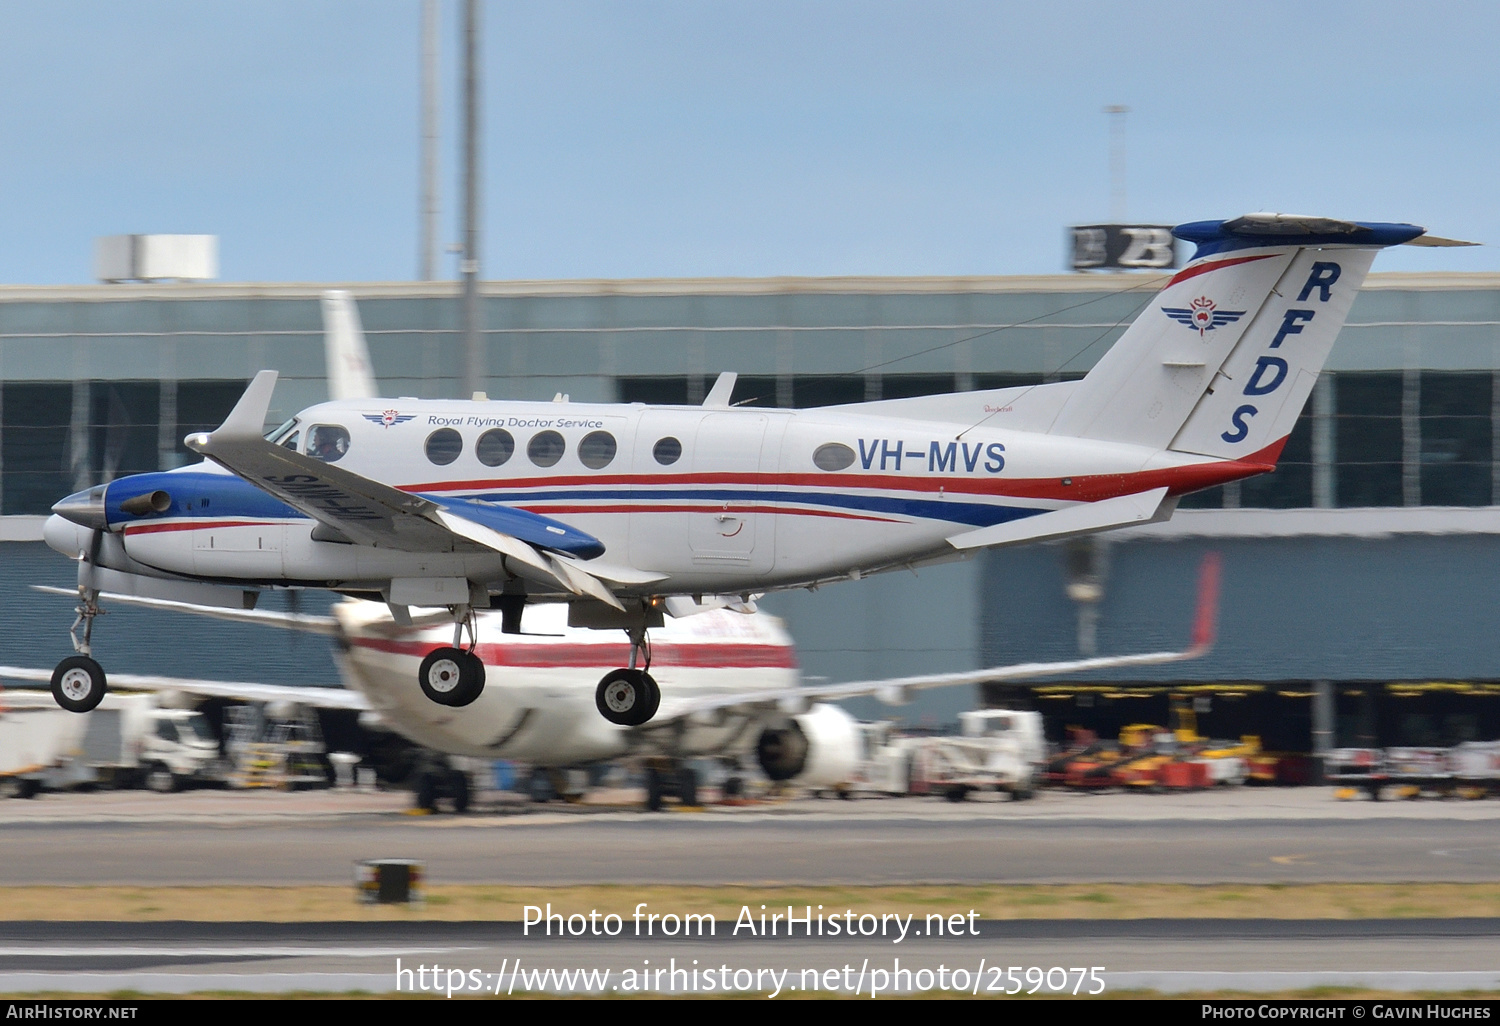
[[1117, 114], [474, 372]]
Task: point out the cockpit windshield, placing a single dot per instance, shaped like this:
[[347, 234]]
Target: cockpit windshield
[[276, 436]]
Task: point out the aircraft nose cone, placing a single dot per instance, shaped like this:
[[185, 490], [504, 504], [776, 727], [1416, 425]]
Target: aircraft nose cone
[[86, 508]]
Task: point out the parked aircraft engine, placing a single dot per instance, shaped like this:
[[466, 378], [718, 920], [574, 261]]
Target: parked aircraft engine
[[818, 748]]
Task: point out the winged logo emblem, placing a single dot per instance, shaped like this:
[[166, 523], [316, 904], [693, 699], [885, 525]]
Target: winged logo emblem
[[388, 418], [1202, 314]]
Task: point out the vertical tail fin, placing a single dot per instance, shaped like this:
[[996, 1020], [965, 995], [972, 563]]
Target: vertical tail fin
[[349, 372], [1224, 357]]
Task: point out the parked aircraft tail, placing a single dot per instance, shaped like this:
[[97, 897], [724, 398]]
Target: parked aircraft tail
[[349, 371], [1223, 359]]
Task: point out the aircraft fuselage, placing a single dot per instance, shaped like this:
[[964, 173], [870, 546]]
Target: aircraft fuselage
[[704, 500]]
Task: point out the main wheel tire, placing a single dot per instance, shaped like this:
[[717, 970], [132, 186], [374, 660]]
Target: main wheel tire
[[653, 789], [625, 697], [78, 684], [451, 676], [687, 786], [655, 695], [425, 793], [471, 682], [458, 787], [160, 778]]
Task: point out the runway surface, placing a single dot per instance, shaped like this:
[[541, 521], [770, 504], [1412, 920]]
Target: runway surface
[[497, 958], [1249, 836]]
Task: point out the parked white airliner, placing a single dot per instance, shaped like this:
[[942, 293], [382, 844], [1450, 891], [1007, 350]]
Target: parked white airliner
[[630, 511]]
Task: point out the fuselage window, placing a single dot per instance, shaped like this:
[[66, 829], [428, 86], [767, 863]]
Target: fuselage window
[[597, 450], [444, 445], [494, 447], [327, 442], [667, 451], [546, 448], [833, 456]]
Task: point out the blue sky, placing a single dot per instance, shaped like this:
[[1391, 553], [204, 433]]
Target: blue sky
[[745, 139]]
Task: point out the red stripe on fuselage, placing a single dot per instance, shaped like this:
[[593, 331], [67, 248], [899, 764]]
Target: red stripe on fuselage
[[606, 654], [1214, 265], [196, 525], [1084, 488]]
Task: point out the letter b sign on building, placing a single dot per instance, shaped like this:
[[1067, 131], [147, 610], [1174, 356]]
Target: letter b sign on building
[[1122, 247]]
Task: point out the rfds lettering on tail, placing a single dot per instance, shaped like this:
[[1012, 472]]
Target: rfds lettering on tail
[[632, 512]]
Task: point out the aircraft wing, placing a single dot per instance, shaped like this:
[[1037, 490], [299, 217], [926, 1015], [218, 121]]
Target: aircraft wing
[[245, 691], [895, 691], [369, 512], [326, 625]]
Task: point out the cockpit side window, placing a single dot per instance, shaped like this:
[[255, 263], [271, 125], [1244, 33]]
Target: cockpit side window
[[327, 442], [291, 441]]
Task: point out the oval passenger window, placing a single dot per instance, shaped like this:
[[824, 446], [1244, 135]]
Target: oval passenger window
[[667, 451], [444, 445], [833, 456], [494, 447], [597, 450], [546, 448]]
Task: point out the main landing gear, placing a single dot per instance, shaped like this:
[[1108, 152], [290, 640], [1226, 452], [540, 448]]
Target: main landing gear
[[78, 683], [454, 676], [629, 697]]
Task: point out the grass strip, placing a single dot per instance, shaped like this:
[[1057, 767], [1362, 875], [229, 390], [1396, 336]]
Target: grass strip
[[467, 902]]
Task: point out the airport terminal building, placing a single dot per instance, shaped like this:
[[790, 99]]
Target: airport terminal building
[[1359, 596]]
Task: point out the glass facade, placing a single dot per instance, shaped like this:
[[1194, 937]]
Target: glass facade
[[101, 381]]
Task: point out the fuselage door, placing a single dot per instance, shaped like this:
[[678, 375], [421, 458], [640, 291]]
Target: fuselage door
[[726, 459], [695, 494]]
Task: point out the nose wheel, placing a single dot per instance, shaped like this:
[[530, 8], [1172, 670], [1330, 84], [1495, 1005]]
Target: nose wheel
[[78, 684], [627, 698]]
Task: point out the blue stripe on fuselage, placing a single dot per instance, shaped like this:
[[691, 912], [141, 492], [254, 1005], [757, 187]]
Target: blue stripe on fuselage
[[197, 495], [976, 514]]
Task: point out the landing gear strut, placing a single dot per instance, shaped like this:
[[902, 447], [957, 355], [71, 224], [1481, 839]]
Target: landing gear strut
[[78, 682], [629, 697], [454, 676]]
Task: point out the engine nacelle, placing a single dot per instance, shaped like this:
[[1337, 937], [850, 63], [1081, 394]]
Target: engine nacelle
[[818, 748]]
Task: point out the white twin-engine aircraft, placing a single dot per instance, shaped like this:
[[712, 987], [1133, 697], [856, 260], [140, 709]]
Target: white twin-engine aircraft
[[629, 511]]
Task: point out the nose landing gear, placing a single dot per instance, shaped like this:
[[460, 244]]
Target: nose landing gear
[[78, 682]]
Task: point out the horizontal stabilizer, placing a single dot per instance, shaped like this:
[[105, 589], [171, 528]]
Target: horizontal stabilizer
[[1140, 508], [1438, 240]]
